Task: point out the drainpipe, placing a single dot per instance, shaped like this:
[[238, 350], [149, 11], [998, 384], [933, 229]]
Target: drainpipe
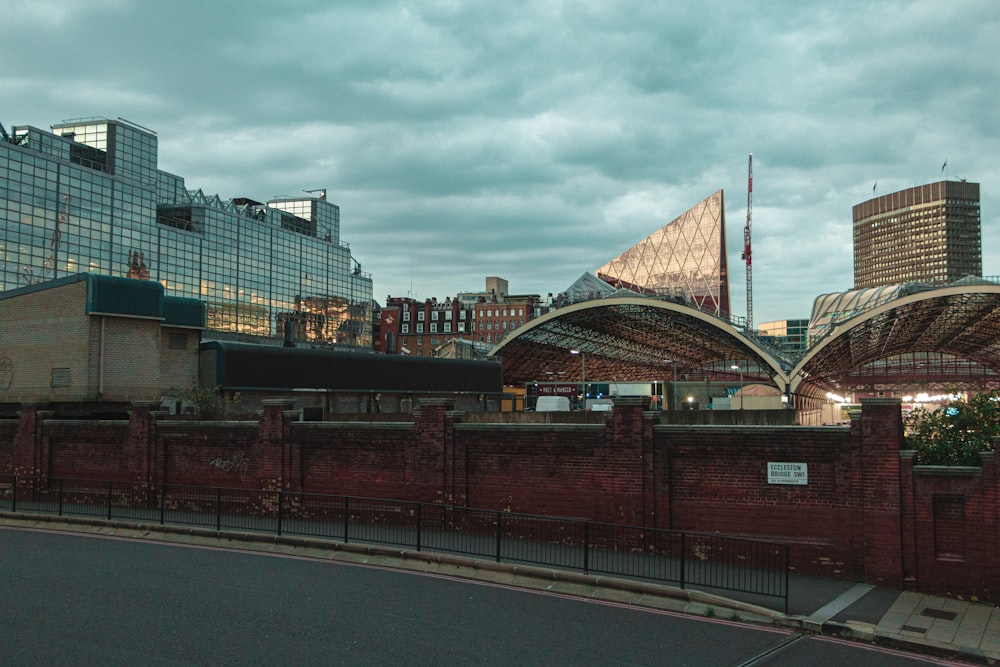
[[100, 363]]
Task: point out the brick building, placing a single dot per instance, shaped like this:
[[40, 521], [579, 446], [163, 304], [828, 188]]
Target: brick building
[[87, 338], [412, 327]]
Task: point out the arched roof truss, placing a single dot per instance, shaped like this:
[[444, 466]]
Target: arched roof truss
[[630, 339], [949, 323]]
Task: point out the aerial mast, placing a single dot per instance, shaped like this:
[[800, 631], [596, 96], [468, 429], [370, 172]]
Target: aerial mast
[[746, 246]]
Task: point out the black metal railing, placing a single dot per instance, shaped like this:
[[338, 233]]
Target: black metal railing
[[687, 559]]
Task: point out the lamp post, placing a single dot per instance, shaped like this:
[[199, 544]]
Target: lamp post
[[583, 364], [583, 374], [740, 369], [673, 387]]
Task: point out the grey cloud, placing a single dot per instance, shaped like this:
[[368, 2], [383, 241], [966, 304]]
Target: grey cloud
[[536, 140]]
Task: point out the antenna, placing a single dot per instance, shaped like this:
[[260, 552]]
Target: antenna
[[746, 245]]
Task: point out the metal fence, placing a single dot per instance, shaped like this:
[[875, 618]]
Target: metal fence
[[683, 558]]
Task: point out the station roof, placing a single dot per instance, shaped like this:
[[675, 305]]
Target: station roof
[[630, 339], [947, 337]]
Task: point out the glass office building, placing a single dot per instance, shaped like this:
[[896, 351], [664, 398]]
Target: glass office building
[[88, 197], [685, 258]]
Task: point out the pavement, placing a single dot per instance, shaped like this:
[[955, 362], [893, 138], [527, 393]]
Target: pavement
[[953, 629]]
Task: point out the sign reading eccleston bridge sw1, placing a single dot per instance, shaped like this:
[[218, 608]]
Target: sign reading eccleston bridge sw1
[[787, 473]]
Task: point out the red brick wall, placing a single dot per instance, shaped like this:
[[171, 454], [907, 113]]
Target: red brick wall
[[866, 512], [226, 454], [8, 431], [952, 544], [716, 480], [85, 450], [537, 469], [364, 459]]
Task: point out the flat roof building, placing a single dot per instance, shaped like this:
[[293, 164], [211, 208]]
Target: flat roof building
[[88, 197], [930, 233], [90, 338]]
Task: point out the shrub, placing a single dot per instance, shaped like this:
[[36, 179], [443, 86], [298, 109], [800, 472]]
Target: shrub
[[209, 402], [955, 434]]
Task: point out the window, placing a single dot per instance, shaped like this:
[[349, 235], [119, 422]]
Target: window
[[60, 377], [178, 342], [434, 326], [420, 316], [434, 316], [420, 328], [447, 327], [406, 315], [405, 328]]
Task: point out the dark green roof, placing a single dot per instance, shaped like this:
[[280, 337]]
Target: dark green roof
[[182, 312], [124, 296], [109, 295]]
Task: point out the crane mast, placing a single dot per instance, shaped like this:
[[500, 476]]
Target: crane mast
[[746, 246]]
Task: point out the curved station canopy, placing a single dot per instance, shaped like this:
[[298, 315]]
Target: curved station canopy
[[631, 339], [946, 338]]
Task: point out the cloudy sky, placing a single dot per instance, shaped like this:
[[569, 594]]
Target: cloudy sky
[[536, 140]]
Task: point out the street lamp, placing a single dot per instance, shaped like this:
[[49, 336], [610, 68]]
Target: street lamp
[[740, 369], [673, 387], [583, 374], [583, 364]]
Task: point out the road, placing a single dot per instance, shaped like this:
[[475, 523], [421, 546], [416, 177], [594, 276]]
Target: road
[[81, 600]]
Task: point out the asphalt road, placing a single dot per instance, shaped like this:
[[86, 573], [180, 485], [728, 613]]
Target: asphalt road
[[83, 600]]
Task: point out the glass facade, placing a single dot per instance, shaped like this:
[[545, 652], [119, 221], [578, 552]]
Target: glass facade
[[684, 258], [88, 197], [788, 336]]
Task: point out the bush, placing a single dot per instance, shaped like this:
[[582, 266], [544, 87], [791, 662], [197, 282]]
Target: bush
[[955, 434], [209, 402]]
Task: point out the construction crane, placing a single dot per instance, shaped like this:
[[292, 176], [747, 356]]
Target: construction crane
[[746, 247]]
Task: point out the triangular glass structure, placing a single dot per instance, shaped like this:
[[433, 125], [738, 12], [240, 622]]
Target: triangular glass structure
[[684, 258], [588, 287]]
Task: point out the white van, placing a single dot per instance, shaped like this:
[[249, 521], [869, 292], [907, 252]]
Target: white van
[[600, 404], [552, 404]]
